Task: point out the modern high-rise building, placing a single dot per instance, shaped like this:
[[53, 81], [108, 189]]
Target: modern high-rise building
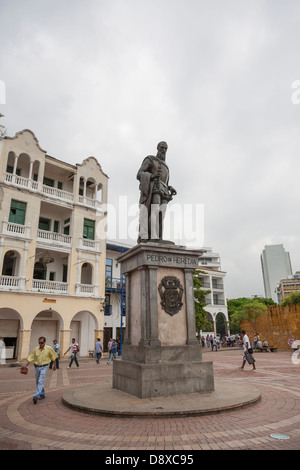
[[276, 265]]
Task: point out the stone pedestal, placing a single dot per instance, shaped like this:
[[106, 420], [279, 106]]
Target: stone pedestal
[[161, 355]]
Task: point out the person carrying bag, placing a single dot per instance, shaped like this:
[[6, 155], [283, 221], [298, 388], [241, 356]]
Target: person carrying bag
[[248, 351]]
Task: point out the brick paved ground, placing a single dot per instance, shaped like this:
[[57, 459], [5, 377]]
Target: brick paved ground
[[51, 425]]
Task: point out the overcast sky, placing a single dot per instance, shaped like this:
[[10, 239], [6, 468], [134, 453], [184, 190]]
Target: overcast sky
[[213, 78]]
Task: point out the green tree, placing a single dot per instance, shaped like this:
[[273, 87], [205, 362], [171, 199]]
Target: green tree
[[292, 299], [200, 302], [250, 312], [237, 309]]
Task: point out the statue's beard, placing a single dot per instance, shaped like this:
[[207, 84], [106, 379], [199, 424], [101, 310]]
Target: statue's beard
[[161, 155]]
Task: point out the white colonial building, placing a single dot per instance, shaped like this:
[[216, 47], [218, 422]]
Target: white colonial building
[[52, 254], [213, 279]]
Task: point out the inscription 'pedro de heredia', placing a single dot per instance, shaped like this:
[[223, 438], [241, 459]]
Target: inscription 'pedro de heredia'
[[172, 259], [171, 292]]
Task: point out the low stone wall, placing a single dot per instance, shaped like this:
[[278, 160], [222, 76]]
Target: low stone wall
[[277, 326]]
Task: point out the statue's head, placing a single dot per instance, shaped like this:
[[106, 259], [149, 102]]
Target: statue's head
[[162, 148]]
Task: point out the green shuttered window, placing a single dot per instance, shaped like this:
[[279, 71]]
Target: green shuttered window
[[17, 212], [89, 229]]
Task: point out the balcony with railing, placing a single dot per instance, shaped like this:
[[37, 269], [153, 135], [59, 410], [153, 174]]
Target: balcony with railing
[[15, 230], [49, 191], [112, 283], [50, 287], [217, 286], [9, 283], [56, 193], [90, 245], [53, 238], [205, 284], [89, 201], [21, 181], [218, 299], [86, 290]]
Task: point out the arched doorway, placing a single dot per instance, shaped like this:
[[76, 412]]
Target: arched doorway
[[24, 165], [87, 274], [40, 271], [221, 324], [83, 326], [46, 323], [210, 319], [11, 263], [10, 324]]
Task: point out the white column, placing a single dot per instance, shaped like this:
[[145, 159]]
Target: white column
[[15, 164], [30, 170], [28, 230], [4, 227], [78, 273], [96, 286], [23, 271], [2, 241]]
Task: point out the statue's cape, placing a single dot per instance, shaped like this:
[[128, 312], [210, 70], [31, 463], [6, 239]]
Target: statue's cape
[[145, 186], [144, 176]]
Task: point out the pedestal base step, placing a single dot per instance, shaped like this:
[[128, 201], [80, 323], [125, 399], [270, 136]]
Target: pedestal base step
[[102, 399]]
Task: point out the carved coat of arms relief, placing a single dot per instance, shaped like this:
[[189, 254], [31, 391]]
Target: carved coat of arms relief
[[171, 293]]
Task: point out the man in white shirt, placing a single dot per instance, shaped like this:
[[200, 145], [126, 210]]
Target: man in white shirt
[[247, 346], [75, 349]]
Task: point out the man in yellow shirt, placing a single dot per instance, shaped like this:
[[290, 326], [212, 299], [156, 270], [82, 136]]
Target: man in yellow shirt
[[41, 356]]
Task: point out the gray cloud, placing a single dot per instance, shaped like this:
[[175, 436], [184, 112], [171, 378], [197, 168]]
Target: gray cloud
[[212, 78]]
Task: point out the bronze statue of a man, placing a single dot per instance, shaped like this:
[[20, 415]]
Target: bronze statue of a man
[[155, 194]]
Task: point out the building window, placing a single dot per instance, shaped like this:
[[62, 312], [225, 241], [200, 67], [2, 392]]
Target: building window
[[48, 182], [89, 229], [10, 169], [17, 212], [65, 273], [56, 226], [108, 270], [44, 224], [67, 226]]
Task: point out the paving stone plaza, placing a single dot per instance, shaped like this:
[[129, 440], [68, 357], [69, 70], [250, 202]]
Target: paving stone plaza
[[50, 425]]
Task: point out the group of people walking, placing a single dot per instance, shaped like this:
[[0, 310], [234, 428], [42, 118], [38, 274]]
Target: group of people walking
[[112, 350], [215, 342]]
